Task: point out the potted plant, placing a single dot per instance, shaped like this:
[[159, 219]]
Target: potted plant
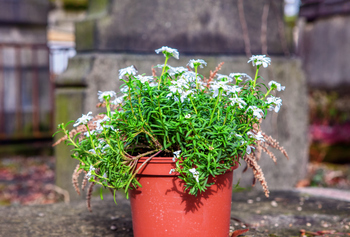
[[172, 141]]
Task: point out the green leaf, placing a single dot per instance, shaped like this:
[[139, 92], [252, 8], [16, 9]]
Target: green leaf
[[101, 193], [56, 133], [72, 121], [114, 193]]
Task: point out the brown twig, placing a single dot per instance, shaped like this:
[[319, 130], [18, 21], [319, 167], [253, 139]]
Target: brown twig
[[258, 174], [75, 177], [154, 74], [213, 74], [88, 196], [85, 180]]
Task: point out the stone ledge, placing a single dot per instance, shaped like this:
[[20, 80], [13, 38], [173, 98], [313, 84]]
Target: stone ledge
[[283, 214]]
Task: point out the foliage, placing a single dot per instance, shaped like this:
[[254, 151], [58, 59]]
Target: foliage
[[207, 125]]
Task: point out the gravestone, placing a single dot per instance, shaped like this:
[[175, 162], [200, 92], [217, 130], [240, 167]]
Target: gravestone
[[324, 44], [192, 27], [117, 34]]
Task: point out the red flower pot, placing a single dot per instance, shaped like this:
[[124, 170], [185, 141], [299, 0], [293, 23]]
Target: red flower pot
[[162, 208]]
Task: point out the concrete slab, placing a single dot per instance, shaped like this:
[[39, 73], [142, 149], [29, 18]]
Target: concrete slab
[[285, 213]]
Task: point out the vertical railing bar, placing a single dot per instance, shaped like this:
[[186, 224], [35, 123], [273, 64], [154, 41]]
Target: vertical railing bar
[[18, 73], [35, 91], [2, 93], [52, 92]]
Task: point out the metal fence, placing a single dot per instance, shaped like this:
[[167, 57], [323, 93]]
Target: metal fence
[[27, 73]]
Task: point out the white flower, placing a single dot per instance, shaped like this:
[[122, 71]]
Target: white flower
[[276, 101], [153, 84], [124, 89], [276, 85], [89, 174], [127, 71], [170, 95], [168, 51], [118, 100], [160, 66], [98, 122], [188, 116], [83, 119], [105, 94], [171, 171], [92, 151], [189, 76], [143, 79], [196, 62], [178, 86], [176, 70], [260, 60], [219, 84], [195, 174], [256, 111], [109, 126], [221, 76], [257, 136], [92, 132], [239, 76], [249, 149], [185, 94], [175, 89], [236, 100], [238, 135], [176, 155], [105, 147], [105, 175], [234, 89]]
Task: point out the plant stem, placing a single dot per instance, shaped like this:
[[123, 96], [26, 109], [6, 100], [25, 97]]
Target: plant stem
[[108, 108], [267, 93], [216, 103], [232, 116], [132, 110], [193, 105], [256, 75], [161, 119], [144, 163], [166, 60], [227, 112], [195, 69], [140, 108], [92, 142]]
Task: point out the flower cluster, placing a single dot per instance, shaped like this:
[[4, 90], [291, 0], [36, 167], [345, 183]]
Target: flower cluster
[[206, 125]]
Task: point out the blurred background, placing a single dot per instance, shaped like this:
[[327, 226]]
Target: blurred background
[[56, 54]]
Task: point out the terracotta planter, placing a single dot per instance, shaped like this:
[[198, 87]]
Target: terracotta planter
[[161, 208]]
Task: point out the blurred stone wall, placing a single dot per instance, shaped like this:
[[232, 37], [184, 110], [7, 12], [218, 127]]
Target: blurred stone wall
[[117, 34], [25, 86], [323, 46]]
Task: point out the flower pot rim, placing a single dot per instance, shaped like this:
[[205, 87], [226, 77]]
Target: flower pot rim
[[157, 160], [165, 164]]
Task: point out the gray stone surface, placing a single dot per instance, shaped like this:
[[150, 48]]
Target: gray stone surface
[[24, 35], [68, 105], [285, 213], [324, 49], [24, 12], [192, 27]]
